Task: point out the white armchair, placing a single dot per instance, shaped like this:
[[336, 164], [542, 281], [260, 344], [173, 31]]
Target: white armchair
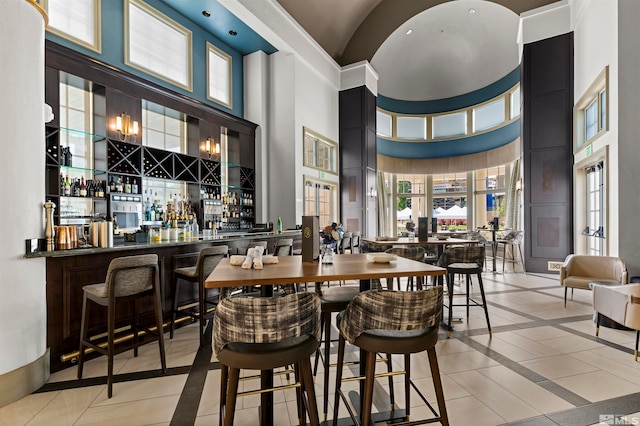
[[621, 303]]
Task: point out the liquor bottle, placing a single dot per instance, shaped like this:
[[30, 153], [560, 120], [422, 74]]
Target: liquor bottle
[[127, 187], [76, 188], [91, 188], [62, 184], [83, 188], [119, 185], [67, 187], [112, 185], [134, 187]]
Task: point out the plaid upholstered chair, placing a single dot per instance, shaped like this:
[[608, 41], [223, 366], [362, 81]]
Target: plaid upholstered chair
[[413, 253], [467, 261], [392, 322], [128, 279], [263, 333], [208, 259]]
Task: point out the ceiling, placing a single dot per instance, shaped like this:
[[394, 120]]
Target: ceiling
[[455, 47]]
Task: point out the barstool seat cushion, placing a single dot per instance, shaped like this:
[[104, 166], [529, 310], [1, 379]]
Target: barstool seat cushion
[[189, 271], [266, 356], [464, 268], [402, 341]]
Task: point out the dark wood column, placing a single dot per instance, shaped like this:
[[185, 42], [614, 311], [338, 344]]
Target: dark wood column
[[358, 160], [547, 142]]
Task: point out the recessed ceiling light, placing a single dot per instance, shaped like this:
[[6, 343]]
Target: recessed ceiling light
[[409, 31], [233, 33], [206, 13], [472, 11]]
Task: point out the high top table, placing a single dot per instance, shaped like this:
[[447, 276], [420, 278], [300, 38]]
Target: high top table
[[292, 270]]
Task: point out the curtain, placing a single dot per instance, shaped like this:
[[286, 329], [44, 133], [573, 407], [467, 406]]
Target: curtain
[[384, 196], [512, 211]]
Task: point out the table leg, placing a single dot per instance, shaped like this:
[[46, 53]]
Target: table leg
[[266, 378]]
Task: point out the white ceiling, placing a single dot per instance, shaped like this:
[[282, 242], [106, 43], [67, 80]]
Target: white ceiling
[[449, 52]]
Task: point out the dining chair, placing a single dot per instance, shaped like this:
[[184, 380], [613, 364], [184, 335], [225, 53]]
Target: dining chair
[[128, 280], [208, 259], [288, 332], [392, 322], [355, 242]]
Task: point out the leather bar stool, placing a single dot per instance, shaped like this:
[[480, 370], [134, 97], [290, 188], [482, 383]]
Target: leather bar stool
[[397, 322], [288, 333], [208, 259], [467, 261], [128, 280]]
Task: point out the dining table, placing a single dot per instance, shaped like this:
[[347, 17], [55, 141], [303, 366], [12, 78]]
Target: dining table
[[292, 270]]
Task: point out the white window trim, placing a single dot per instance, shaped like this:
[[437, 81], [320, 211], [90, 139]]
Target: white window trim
[[335, 214], [600, 84], [188, 85], [97, 29], [306, 132], [229, 59]]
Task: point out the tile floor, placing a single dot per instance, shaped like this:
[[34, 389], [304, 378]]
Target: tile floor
[[542, 366]]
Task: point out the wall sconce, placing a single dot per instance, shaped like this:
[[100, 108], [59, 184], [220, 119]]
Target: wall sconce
[[212, 147], [127, 129], [373, 192]]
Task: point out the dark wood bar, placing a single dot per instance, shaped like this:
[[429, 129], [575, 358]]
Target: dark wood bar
[[69, 270]]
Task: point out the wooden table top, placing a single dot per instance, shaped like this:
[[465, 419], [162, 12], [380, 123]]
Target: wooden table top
[[292, 270], [430, 241]]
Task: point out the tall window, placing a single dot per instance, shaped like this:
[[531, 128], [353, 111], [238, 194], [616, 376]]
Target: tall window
[[595, 231], [218, 76], [319, 152], [163, 128], [321, 199], [490, 199], [590, 114], [157, 45], [77, 21], [410, 193]]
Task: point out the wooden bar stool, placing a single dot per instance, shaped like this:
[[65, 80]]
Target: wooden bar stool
[[128, 279], [288, 333], [392, 322], [208, 259]]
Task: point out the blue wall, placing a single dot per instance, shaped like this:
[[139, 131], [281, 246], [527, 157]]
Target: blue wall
[[113, 53]]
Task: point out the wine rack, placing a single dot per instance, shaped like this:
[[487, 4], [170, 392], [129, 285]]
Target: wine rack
[[246, 178], [209, 172], [158, 163], [124, 158], [53, 154], [186, 168]]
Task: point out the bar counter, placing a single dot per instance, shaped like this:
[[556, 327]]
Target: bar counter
[[69, 270]]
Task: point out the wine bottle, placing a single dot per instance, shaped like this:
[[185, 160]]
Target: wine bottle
[[62, 184], [112, 185], [127, 186], [83, 188], [76, 188], [134, 187], [119, 185], [67, 187]]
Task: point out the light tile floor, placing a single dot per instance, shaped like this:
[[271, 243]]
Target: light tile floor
[[543, 365]]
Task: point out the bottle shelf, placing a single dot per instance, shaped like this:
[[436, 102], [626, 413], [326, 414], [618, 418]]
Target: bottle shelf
[[82, 169], [80, 136]]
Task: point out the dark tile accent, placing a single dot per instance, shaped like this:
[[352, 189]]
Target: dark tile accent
[[187, 408]]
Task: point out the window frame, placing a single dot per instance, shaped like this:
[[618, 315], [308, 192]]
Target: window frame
[[597, 92], [318, 138], [211, 48], [164, 19], [334, 214], [97, 28]]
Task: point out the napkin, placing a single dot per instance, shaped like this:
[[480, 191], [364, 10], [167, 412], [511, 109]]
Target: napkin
[[248, 260], [236, 260], [269, 259], [257, 258]]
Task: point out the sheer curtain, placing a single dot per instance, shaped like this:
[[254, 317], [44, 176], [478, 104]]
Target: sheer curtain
[[384, 201], [512, 213]]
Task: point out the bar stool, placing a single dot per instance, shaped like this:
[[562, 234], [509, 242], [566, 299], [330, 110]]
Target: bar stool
[[512, 239], [129, 279], [208, 259], [332, 300], [397, 322], [287, 333], [413, 253], [344, 243], [355, 242], [467, 261]]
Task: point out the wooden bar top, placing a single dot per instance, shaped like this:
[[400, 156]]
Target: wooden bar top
[[292, 270]]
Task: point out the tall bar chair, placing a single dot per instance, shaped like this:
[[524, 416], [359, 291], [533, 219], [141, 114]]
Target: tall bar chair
[[512, 239], [287, 333], [413, 253], [398, 322], [128, 280], [466, 261], [208, 259]]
